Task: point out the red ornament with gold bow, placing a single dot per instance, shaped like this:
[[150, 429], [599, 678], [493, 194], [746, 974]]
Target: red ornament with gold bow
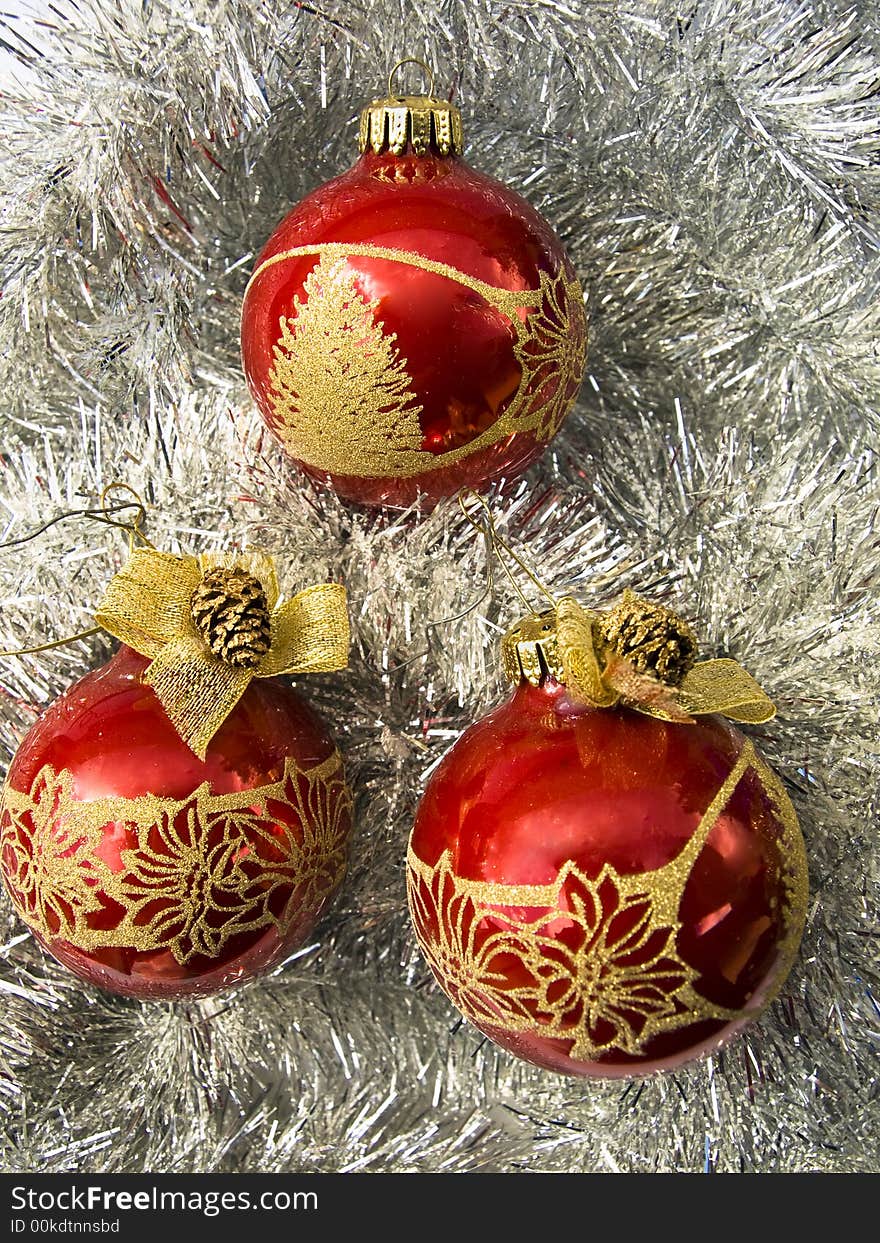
[[605, 877], [179, 819], [413, 325]]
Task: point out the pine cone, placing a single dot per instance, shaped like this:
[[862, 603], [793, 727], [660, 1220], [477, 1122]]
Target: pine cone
[[231, 613], [653, 639]]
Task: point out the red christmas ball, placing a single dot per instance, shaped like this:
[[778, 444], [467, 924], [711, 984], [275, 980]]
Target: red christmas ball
[[603, 893], [413, 326], [155, 874]]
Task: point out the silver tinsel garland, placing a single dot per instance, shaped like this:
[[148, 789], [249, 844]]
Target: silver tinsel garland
[[712, 166]]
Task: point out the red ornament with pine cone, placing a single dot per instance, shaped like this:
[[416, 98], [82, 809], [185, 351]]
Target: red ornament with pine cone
[[604, 876], [179, 819], [413, 326]]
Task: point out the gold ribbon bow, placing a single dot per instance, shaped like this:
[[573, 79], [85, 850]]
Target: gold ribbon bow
[[149, 606], [595, 673]]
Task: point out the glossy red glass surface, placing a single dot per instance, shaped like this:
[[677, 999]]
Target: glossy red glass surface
[[540, 783], [111, 734], [458, 349]]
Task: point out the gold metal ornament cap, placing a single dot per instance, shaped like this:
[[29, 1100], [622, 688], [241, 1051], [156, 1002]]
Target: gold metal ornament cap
[[638, 654], [529, 649], [423, 122], [655, 640]]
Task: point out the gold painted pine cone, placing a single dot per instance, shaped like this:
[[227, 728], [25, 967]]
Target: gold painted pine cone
[[653, 639], [231, 613]]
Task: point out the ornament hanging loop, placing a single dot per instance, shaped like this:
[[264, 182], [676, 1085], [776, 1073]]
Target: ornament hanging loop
[[47, 647], [411, 60], [480, 518], [135, 526], [104, 514], [484, 522]]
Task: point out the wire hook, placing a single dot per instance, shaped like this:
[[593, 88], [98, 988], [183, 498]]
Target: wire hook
[[411, 60], [103, 515], [496, 545]]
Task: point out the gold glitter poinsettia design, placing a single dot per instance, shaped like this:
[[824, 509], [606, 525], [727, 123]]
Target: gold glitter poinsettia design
[[188, 884], [616, 968], [550, 349], [342, 398], [466, 953], [49, 870], [591, 961], [610, 979], [199, 871], [149, 605]]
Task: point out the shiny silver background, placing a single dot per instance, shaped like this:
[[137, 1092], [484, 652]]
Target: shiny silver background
[[712, 168]]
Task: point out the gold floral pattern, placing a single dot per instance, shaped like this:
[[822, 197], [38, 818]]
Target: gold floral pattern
[[591, 961], [551, 351], [49, 872], [190, 875], [620, 971], [340, 393], [467, 954]]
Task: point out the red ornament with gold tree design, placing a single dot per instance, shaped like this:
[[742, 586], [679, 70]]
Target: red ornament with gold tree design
[[413, 326], [604, 876]]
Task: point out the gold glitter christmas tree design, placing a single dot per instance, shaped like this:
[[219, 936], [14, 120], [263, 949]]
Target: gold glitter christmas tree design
[[341, 391]]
